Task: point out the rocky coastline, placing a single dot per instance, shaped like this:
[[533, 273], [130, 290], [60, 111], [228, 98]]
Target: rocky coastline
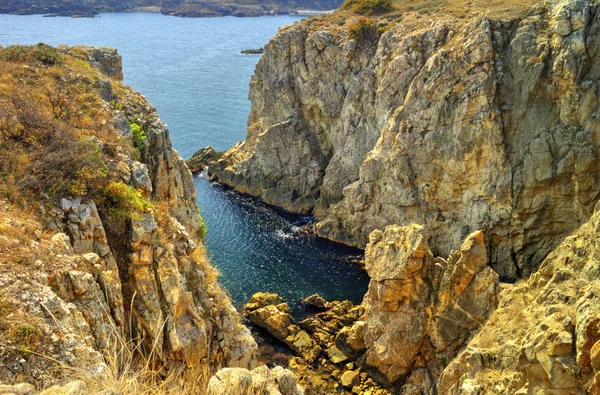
[[481, 129], [180, 8]]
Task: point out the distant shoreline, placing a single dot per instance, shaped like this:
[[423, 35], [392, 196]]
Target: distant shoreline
[[179, 12]]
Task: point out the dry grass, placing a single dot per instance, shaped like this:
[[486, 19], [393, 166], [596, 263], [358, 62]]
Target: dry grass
[[415, 15]]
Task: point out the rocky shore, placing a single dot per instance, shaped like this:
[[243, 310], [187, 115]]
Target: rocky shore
[[480, 127]]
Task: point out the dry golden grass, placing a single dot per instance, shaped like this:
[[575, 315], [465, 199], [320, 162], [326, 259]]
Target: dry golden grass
[[415, 15]]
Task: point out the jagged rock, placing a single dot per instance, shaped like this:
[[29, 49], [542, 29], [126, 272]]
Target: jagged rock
[[419, 311], [350, 340], [335, 355], [543, 337], [277, 381], [316, 301], [270, 312], [140, 177], [354, 133], [76, 267], [202, 158]]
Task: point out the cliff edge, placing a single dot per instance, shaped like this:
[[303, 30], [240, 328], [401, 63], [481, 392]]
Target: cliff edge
[[103, 271], [456, 118]]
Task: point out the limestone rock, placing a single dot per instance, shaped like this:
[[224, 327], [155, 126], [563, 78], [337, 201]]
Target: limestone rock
[[270, 312], [543, 338], [201, 158], [353, 134], [419, 311], [316, 301], [277, 381], [350, 378]]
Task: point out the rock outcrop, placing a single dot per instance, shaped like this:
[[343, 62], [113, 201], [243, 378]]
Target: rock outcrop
[[262, 380], [119, 266], [270, 312], [488, 124], [420, 310], [543, 338]]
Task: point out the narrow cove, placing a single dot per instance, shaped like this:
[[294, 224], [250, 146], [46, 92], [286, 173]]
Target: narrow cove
[[200, 86]]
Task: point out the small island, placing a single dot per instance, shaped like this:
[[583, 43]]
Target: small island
[[255, 51]]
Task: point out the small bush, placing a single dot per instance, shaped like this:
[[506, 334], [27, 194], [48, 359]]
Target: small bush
[[203, 229], [363, 29], [368, 7], [42, 53], [115, 105], [124, 202], [139, 136]]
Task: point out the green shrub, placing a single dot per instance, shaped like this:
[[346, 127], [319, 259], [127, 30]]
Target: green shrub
[[367, 7], [363, 29], [203, 229], [46, 54], [124, 202], [115, 105], [139, 136], [42, 53]]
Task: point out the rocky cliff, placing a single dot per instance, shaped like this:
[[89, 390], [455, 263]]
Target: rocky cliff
[[101, 262], [544, 337], [454, 120]]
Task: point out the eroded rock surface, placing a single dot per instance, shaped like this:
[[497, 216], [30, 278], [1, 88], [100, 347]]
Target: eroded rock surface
[[486, 125], [543, 338], [420, 310], [260, 381], [83, 276], [270, 312]]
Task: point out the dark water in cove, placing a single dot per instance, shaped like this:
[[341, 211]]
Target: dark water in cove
[[193, 72]]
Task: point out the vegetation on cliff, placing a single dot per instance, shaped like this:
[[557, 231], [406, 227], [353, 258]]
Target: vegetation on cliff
[[102, 275]]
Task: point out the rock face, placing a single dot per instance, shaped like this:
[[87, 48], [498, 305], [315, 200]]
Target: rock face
[[486, 125], [543, 338], [420, 311], [90, 280]]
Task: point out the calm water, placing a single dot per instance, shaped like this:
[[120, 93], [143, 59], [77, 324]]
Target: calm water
[[193, 72]]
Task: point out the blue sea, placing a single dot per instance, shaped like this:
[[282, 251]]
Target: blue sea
[[192, 71]]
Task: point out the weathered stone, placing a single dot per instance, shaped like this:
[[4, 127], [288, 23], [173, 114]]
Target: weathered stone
[[270, 312], [316, 301], [277, 381], [354, 134], [350, 378], [419, 308]]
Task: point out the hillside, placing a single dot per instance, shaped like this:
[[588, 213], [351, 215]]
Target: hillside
[[103, 275]]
